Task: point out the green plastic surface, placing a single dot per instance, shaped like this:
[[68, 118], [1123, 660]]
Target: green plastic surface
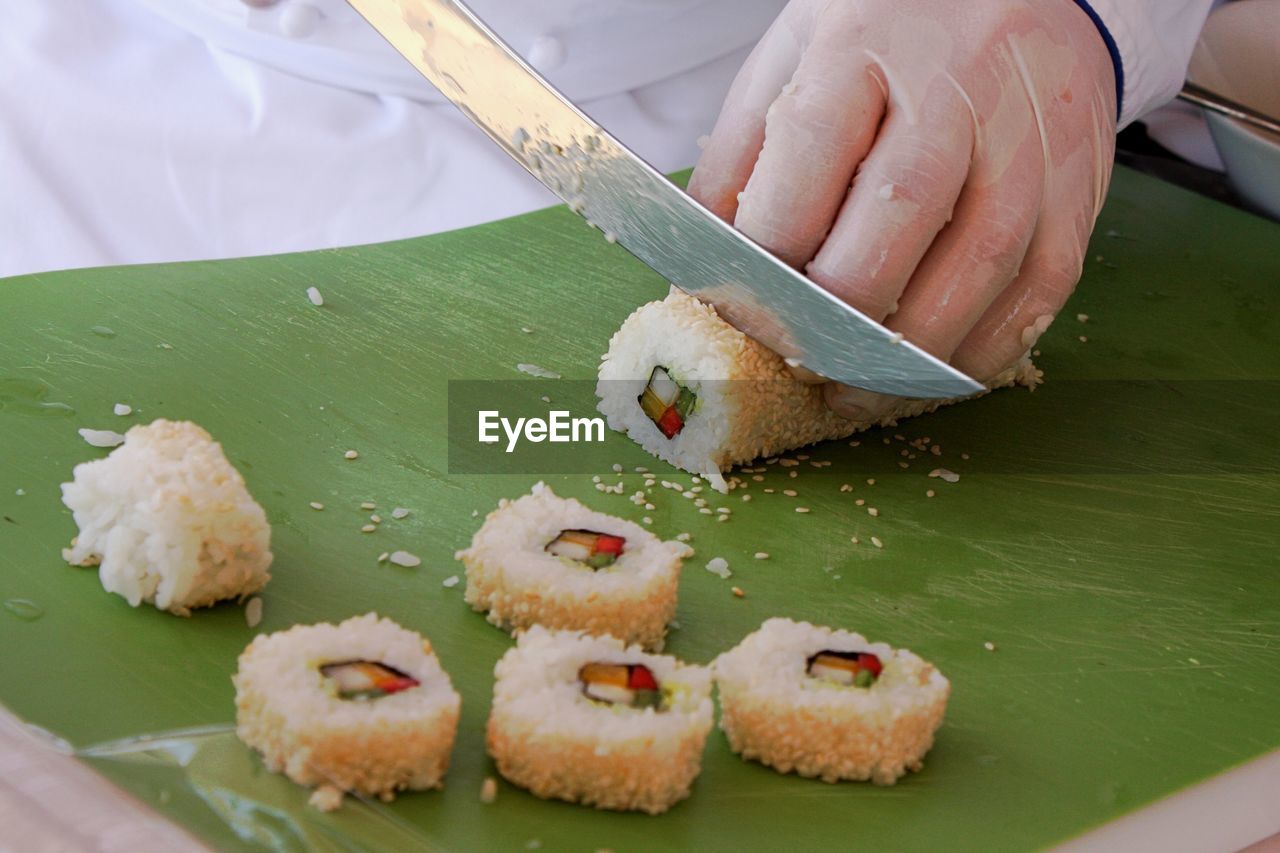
[[1133, 612]]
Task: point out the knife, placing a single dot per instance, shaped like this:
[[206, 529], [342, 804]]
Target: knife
[[634, 205]]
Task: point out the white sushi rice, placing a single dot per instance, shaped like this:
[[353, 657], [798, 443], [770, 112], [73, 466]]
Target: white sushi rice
[[512, 578], [101, 437], [288, 711], [547, 736], [748, 403], [774, 712], [168, 520]]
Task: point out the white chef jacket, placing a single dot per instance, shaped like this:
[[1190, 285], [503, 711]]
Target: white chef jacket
[[136, 131]]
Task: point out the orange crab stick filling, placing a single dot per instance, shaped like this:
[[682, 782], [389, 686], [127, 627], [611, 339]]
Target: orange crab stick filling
[[853, 669], [366, 679], [632, 685]]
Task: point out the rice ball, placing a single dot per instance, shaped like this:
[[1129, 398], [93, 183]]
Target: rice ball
[[168, 520]]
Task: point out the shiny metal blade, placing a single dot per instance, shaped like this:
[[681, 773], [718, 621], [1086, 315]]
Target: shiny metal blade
[[652, 218]]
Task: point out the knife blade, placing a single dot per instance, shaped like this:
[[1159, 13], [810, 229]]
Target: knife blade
[[636, 206]]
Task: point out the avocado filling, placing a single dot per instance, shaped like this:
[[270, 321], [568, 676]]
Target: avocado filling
[[630, 685], [667, 403], [366, 679], [852, 669], [597, 550]]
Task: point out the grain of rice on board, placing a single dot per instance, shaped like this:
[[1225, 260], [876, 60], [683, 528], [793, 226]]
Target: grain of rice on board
[[168, 521]]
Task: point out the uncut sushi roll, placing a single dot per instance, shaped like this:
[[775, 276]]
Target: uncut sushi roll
[[547, 560], [362, 706], [828, 704], [699, 394], [592, 720], [168, 521]]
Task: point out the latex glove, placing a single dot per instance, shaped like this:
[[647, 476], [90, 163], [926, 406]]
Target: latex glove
[[938, 165]]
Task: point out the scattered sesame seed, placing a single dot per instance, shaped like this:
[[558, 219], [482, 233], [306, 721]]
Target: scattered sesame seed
[[768, 491], [854, 540], [1084, 339], [724, 510], [368, 528], [845, 487], [617, 469], [791, 493], [1083, 318], [404, 558], [352, 454], [649, 483], [649, 507], [688, 494], [871, 482], [684, 537], [788, 463], [873, 512], [802, 509], [989, 646], [904, 465], [964, 455], [475, 513], [746, 498], [647, 520], [758, 478], [313, 294], [399, 512], [253, 612], [526, 330], [860, 502], [121, 409], [945, 475], [368, 505], [700, 502], [722, 518], [705, 510], [855, 444], [793, 474], [697, 490], [762, 555], [737, 591], [930, 493], [375, 518], [489, 790], [875, 540], [450, 581], [596, 478], [101, 437], [382, 558], [316, 505]]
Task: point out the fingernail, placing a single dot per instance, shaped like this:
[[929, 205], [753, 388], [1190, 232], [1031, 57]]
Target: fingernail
[[856, 404]]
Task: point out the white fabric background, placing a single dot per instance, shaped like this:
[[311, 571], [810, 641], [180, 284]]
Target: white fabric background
[[136, 131]]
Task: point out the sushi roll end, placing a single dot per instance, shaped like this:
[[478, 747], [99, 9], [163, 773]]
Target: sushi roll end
[[362, 706], [828, 704], [592, 720]]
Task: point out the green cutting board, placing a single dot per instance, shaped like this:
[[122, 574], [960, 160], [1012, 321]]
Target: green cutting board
[[1113, 535]]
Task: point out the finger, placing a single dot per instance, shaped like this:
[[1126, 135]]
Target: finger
[[902, 196], [816, 132], [734, 144], [977, 255], [857, 404], [1017, 318]]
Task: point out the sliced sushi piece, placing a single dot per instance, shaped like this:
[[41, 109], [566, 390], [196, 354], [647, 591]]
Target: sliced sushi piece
[[168, 521], [745, 401], [362, 706], [547, 560], [366, 679], [630, 685], [592, 720], [826, 703], [667, 403], [852, 669], [597, 550]]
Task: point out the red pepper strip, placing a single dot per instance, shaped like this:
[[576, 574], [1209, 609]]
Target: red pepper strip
[[606, 544], [395, 685], [670, 423], [870, 662], [641, 678]]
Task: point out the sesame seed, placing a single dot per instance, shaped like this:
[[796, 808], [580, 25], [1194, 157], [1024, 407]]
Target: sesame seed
[[647, 520], [964, 455], [791, 493], [253, 612], [762, 555], [1083, 318], [845, 487], [1084, 339], [640, 469], [352, 454], [705, 510], [873, 512], [596, 478], [687, 494], [697, 490], [875, 540], [758, 478], [989, 646], [368, 528], [316, 505], [793, 474], [617, 469], [855, 444], [684, 537], [368, 505], [945, 475], [860, 502], [375, 518], [871, 482], [930, 493], [746, 498], [399, 512], [802, 509], [121, 409], [649, 507], [382, 558], [737, 591], [700, 502], [768, 491], [722, 518], [489, 790], [648, 484], [314, 297], [854, 540], [404, 558], [450, 581]]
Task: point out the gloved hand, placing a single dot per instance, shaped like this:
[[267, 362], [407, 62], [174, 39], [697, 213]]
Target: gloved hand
[[977, 138]]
